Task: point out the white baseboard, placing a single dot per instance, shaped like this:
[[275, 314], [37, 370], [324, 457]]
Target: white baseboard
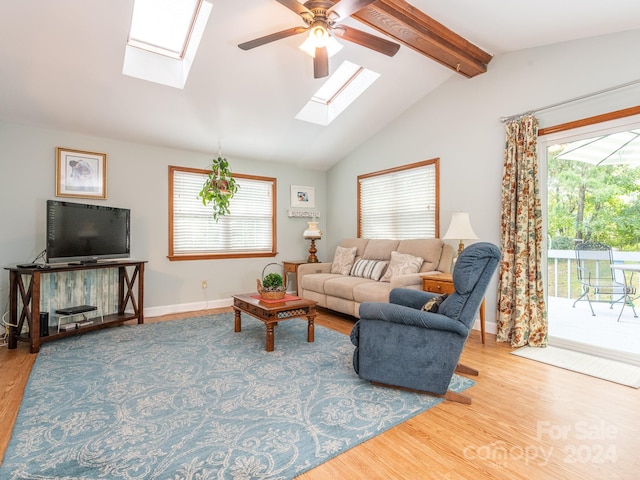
[[489, 327], [187, 307]]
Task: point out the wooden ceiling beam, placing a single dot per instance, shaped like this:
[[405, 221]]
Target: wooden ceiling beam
[[411, 27]]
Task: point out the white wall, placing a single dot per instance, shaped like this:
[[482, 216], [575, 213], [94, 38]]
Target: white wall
[[138, 179], [459, 123]]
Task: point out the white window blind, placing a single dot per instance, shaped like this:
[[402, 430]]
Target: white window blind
[[247, 229], [399, 204]]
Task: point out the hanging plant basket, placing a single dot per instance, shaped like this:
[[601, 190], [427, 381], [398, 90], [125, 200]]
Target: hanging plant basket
[[273, 286], [219, 188]]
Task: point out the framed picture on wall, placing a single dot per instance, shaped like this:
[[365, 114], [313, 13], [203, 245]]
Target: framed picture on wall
[[303, 197], [80, 174]]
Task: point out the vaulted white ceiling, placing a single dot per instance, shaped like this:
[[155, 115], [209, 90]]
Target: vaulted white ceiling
[[61, 66]]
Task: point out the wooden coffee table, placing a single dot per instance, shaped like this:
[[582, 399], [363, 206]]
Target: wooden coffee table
[[273, 312]]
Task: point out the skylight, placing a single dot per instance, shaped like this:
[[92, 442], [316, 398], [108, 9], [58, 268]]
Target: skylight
[[341, 89], [164, 39], [163, 26]]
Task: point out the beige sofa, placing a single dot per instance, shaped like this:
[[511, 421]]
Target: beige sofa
[[345, 292]]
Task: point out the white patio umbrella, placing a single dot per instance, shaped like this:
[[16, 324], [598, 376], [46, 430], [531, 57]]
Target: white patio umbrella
[[621, 148]]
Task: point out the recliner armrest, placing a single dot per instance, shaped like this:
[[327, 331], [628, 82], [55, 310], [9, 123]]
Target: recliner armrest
[[410, 297], [392, 313]]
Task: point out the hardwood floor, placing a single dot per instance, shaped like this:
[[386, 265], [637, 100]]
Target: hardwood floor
[[527, 421]]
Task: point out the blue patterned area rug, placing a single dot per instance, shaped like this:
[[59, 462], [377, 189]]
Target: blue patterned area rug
[[191, 399]]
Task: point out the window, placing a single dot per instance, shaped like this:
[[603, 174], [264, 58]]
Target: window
[[338, 92], [248, 231], [164, 39], [163, 26], [401, 202]]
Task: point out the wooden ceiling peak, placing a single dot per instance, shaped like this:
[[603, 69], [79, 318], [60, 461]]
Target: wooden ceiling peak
[[413, 28]]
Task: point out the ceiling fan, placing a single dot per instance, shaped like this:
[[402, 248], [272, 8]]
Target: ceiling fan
[[322, 19]]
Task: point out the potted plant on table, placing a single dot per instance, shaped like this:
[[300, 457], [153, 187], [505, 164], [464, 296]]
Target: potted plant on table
[[273, 287], [219, 187]]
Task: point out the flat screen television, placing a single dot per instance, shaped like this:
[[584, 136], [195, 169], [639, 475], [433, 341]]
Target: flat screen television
[[86, 233]]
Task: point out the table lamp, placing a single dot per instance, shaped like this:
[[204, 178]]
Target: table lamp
[[460, 229], [312, 233]]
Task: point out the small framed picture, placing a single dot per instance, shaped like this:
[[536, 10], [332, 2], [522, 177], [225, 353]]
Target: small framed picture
[[303, 197], [81, 174]]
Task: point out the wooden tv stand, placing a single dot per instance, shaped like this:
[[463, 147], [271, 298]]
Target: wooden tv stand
[[24, 285]]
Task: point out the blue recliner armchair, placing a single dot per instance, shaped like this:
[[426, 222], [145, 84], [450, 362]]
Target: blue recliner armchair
[[398, 344]]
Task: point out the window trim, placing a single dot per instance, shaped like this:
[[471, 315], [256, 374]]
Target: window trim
[[213, 256], [605, 117], [433, 161]]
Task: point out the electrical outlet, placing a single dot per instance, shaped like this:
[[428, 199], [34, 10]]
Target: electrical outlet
[[204, 284]]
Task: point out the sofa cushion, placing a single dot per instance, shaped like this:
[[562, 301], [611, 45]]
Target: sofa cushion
[[359, 243], [343, 260], [342, 287], [402, 264], [429, 249], [380, 249], [372, 269], [315, 282], [372, 292]]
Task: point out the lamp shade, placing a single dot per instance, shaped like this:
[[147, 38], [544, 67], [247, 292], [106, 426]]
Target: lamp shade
[[313, 232], [460, 228]]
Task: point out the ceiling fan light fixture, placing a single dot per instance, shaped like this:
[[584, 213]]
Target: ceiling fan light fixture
[[310, 44], [319, 33], [333, 46]]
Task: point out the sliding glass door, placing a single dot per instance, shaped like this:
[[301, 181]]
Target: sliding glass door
[[591, 193]]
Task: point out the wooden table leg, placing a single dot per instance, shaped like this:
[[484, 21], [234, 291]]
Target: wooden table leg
[[270, 337], [482, 320], [310, 330], [237, 323], [12, 341]]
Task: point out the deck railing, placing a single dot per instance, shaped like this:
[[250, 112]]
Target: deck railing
[[562, 278]]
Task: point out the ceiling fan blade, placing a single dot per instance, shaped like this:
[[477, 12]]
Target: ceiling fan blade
[[272, 37], [367, 40], [321, 63], [296, 6], [344, 8]]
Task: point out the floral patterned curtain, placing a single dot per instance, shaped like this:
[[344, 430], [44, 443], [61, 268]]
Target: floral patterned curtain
[[522, 315]]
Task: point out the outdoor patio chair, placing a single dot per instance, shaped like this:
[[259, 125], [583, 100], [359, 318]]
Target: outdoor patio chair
[[598, 279]]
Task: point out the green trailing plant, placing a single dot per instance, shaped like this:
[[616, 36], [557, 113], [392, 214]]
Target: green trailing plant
[[219, 187], [272, 282]]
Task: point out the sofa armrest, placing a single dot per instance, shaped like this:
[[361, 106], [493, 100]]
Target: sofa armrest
[[309, 268], [306, 268], [408, 280], [392, 313]]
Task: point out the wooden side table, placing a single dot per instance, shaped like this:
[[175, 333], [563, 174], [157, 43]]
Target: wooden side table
[[443, 283], [292, 267]]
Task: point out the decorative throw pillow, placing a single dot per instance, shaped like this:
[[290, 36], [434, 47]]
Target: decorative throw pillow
[[343, 260], [402, 264], [372, 269], [433, 304]]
